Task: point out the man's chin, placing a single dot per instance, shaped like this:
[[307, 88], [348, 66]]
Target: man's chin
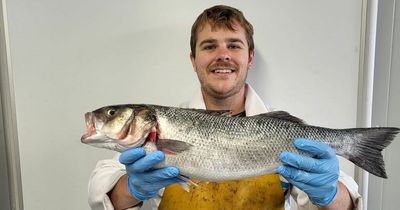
[[222, 92]]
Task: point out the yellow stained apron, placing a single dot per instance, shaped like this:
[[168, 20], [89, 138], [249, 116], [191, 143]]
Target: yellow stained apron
[[258, 193]]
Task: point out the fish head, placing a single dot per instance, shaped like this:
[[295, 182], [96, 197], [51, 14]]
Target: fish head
[[118, 127]]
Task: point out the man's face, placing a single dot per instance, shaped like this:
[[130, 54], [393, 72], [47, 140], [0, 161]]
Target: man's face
[[222, 61]]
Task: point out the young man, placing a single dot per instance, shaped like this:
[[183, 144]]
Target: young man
[[222, 51]]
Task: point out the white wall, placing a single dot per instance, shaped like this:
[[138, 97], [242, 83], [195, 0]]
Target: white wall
[[70, 57]]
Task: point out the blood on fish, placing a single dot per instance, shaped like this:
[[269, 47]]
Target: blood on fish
[[152, 136]]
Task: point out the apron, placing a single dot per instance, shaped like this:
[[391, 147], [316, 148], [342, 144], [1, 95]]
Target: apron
[[258, 193]]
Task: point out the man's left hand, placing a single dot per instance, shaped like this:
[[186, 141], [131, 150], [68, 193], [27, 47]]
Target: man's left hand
[[316, 175]]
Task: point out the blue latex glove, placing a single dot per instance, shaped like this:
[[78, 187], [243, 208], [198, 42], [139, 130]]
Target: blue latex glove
[[316, 175], [144, 181]]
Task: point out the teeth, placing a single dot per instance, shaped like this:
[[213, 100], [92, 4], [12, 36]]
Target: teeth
[[223, 71]]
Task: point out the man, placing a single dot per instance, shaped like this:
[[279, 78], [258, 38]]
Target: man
[[222, 52]]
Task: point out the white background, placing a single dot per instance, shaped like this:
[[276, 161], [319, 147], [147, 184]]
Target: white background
[[69, 57]]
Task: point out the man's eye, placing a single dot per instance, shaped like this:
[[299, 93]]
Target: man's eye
[[234, 46], [209, 47]]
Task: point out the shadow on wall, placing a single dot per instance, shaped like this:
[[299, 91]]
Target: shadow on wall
[[258, 76], [4, 193]]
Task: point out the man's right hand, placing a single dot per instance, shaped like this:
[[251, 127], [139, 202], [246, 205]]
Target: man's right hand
[[144, 181]]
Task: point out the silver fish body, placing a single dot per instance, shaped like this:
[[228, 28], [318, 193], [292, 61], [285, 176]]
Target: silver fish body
[[206, 145]]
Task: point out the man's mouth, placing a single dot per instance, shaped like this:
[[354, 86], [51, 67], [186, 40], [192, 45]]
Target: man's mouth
[[223, 71]]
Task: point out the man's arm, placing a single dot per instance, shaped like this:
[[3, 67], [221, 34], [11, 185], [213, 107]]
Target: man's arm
[[342, 199], [120, 196]]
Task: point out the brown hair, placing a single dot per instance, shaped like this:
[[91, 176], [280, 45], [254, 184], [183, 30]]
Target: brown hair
[[221, 16]]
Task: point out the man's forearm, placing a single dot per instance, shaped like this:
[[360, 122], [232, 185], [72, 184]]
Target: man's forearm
[[120, 196], [341, 201]]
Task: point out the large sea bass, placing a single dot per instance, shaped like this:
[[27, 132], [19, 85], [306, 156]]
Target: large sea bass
[[213, 146]]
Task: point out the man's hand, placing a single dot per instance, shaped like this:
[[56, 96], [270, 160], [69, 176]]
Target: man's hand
[[316, 175], [144, 181]]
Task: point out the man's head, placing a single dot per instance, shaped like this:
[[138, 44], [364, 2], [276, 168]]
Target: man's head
[[221, 17], [222, 52]]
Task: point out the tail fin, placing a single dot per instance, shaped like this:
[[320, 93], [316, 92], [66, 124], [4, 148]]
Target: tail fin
[[369, 144]]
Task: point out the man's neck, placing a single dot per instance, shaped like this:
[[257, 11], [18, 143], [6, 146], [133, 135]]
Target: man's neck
[[234, 103]]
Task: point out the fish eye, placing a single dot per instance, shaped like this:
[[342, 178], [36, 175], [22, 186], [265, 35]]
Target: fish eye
[[111, 112]]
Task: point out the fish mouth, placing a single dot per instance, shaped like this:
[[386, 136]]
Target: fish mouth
[[90, 128]]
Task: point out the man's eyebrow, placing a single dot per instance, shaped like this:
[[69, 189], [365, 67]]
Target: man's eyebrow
[[230, 40], [208, 41], [212, 41]]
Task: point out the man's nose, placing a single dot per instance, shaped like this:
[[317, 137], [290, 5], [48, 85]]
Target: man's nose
[[223, 54]]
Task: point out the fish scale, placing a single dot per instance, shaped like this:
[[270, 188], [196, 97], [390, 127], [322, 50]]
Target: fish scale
[[208, 145], [233, 150]]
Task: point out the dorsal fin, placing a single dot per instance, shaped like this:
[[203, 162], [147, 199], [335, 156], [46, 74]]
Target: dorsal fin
[[283, 116]]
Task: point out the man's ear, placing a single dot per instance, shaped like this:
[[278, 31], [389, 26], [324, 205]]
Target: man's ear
[[192, 60], [251, 57]]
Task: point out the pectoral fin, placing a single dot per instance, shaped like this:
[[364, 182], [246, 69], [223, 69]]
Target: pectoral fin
[[170, 146], [186, 183]]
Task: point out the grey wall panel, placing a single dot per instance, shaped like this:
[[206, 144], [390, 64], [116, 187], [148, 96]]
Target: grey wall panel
[[4, 186], [391, 186], [383, 194]]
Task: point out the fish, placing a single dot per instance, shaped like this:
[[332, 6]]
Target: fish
[[213, 145]]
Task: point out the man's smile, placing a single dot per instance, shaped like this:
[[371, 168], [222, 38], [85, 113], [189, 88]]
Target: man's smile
[[223, 71]]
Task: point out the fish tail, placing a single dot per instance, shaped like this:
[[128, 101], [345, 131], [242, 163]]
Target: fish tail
[[368, 146]]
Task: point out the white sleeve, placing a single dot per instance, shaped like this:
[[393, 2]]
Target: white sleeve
[[304, 203], [102, 180]]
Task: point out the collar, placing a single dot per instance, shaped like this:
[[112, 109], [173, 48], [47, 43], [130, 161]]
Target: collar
[[253, 104]]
